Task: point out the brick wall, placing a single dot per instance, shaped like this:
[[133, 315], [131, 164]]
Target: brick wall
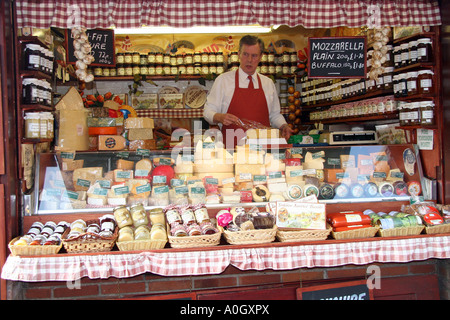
[[151, 284]]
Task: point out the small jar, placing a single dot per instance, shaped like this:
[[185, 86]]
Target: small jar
[[144, 70], [412, 47], [166, 58], [424, 50], [387, 78], [159, 57], [138, 215], [220, 68], [197, 57], [212, 58], [158, 232], [426, 112], [142, 233], [32, 57], [265, 68], [32, 126], [157, 216], [128, 59], [143, 59], [425, 81], [264, 56], [271, 68], [389, 56], [205, 69], [173, 70], [404, 54], [166, 69], [201, 214], [78, 226], [107, 223], [205, 58], [105, 72], [403, 113], [136, 60], [158, 69], [29, 91], [219, 57], [197, 68], [136, 69], [411, 83], [188, 216], [35, 228], [234, 57], [122, 216], [189, 58], [213, 68], [128, 70], [414, 114], [190, 69], [151, 69], [397, 57], [173, 60], [121, 70], [173, 216], [151, 57], [182, 69], [120, 58], [402, 85], [271, 57], [293, 57]]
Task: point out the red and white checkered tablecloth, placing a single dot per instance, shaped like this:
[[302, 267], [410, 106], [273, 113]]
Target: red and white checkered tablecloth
[[64, 267], [187, 13], [171, 113]]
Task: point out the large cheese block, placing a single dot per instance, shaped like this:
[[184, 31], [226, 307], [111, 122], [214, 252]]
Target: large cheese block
[[245, 172], [314, 161], [121, 175], [140, 134], [149, 144], [143, 166], [207, 168], [184, 167], [125, 164], [70, 101], [111, 142], [139, 122], [84, 177], [294, 174], [139, 187], [220, 176]]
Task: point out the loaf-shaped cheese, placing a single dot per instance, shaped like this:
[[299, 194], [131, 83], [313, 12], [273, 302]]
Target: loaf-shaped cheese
[[111, 142], [140, 134], [139, 122]]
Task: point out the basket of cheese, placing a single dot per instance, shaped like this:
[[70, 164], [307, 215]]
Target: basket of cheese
[[190, 226], [242, 227]]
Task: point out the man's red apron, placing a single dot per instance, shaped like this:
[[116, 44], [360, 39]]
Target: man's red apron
[[247, 104]]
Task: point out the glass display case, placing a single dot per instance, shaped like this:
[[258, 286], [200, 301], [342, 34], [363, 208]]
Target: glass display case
[[99, 181]]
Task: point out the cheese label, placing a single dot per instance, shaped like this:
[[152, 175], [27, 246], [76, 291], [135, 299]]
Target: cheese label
[[83, 183], [342, 175], [213, 181], [68, 155], [278, 156], [123, 155], [141, 173], [245, 176], [296, 150], [159, 179], [198, 190], [188, 157], [181, 190], [194, 181], [229, 180], [100, 192], [160, 190], [396, 174], [165, 162], [121, 190], [143, 152], [70, 195], [275, 175], [176, 182], [208, 145], [104, 183], [123, 174], [334, 161], [379, 175], [366, 162], [318, 155], [144, 188], [259, 178], [296, 173]]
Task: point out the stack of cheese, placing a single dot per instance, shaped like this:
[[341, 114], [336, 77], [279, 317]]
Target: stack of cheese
[[140, 133]]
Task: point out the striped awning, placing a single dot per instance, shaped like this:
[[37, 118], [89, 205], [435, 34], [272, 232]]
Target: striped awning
[[188, 13]]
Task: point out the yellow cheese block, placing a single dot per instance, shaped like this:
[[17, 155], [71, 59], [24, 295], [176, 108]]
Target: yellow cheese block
[[207, 168], [245, 172], [125, 164], [113, 142], [84, 177], [139, 122]]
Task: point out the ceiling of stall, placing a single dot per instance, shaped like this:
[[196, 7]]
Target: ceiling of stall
[[188, 13]]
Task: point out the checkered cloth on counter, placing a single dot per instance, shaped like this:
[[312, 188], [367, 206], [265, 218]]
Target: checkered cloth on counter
[[187, 13], [171, 113], [66, 267]]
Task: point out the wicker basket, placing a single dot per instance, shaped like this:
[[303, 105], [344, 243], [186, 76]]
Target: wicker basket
[[401, 231], [440, 228], [96, 243], [303, 235], [355, 234], [32, 250], [137, 245], [207, 240], [250, 236]]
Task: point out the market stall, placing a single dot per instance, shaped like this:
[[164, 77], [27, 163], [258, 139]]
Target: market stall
[[109, 203]]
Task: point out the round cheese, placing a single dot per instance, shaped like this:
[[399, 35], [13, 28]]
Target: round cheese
[[260, 194]]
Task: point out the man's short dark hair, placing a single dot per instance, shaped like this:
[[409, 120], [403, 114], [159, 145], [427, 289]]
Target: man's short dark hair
[[251, 41]]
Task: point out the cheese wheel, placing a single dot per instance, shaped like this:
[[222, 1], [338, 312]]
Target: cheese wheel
[[260, 194], [95, 131]]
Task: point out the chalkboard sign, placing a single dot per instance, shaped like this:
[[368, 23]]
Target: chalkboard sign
[[102, 47], [343, 57], [352, 290]]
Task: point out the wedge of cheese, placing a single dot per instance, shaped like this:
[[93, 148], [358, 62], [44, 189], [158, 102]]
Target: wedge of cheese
[[83, 178]]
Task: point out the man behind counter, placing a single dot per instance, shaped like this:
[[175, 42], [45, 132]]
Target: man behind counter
[[245, 94]]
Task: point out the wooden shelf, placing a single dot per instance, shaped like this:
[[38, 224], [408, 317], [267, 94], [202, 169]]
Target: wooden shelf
[[36, 107], [427, 65], [414, 37], [384, 116]]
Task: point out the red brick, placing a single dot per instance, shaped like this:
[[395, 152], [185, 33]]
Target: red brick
[[422, 268], [394, 270], [84, 291], [123, 286], [262, 278], [170, 285], [38, 293], [214, 282], [346, 272]]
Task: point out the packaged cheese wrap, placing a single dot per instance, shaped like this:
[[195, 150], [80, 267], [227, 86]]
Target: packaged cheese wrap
[[111, 142]]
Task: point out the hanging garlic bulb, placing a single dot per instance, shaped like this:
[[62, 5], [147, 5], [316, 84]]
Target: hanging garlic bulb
[[381, 38], [83, 54]]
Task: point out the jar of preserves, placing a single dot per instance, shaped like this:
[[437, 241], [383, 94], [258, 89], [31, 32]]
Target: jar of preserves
[[105, 72], [159, 57], [143, 59], [136, 58], [205, 58], [188, 216], [197, 68], [389, 56], [219, 57], [205, 69], [61, 227], [190, 69], [264, 56], [151, 57], [136, 69], [138, 215], [121, 70], [128, 59], [144, 70], [157, 216], [182, 69], [404, 54], [424, 51], [32, 57], [158, 232], [201, 214], [403, 113], [271, 69], [128, 70], [126, 234], [53, 240], [397, 57], [213, 68], [158, 69], [166, 69], [189, 58], [220, 68], [425, 81], [173, 60], [180, 59], [166, 58], [412, 47], [98, 71], [234, 57], [265, 68], [402, 86], [29, 91], [411, 82], [212, 57], [387, 78], [271, 57], [38, 240], [197, 57], [107, 223], [173, 70], [142, 233], [122, 216], [151, 69], [173, 216], [35, 228], [414, 114], [120, 58], [426, 112]]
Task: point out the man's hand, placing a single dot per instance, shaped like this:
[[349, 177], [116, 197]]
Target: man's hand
[[225, 118], [286, 131]]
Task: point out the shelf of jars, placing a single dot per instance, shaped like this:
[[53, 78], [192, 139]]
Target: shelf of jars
[[384, 116]]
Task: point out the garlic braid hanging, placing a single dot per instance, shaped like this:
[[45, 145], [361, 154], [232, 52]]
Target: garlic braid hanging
[[82, 51]]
